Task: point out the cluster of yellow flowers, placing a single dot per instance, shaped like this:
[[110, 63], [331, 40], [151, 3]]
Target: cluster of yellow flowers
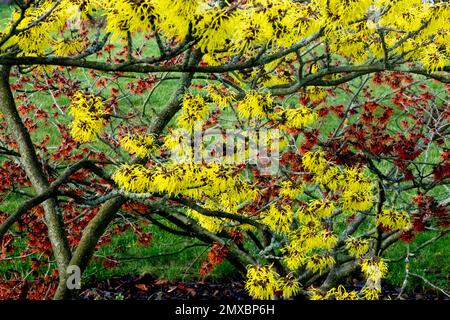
[[67, 47], [125, 16], [278, 219], [310, 242], [315, 93], [299, 117], [314, 162], [141, 145], [356, 189], [320, 262], [176, 17], [34, 40], [194, 111], [134, 178], [357, 192], [396, 220], [219, 187], [176, 178], [89, 116], [374, 269], [220, 96], [331, 178], [316, 210], [304, 243], [354, 30], [212, 224], [178, 142], [290, 191], [339, 293], [215, 27], [255, 105], [263, 281], [357, 247]]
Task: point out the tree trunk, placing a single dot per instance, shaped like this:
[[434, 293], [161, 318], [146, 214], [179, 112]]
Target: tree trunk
[[35, 173], [96, 228]]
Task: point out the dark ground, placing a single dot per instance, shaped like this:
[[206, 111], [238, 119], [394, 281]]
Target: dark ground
[[148, 288]]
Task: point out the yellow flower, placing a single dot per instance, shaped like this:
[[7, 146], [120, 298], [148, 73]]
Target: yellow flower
[[175, 16], [342, 294], [262, 281], [65, 47], [289, 285], [312, 236], [330, 178], [315, 93], [255, 30], [374, 268], [194, 110], [141, 145], [396, 220], [255, 105], [220, 96], [89, 116], [316, 210], [316, 294], [293, 256], [134, 178], [178, 143], [288, 190], [278, 219], [339, 293], [314, 162], [434, 58], [215, 27], [299, 117], [212, 224], [357, 194], [319, 263], [124, 16], [371, 293], [36, 40], [357, 247]]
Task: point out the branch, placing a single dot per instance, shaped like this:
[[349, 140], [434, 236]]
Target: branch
[[429, 283], [39, 19], [8, 152], [160, 255], [47, 194], [216, 213]]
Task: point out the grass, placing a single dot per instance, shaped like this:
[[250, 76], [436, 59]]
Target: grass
[[168, 256], [159, 259], [432, 262]]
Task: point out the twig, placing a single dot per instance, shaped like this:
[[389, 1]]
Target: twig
[[407, 272], [162, 254], [430, 284]]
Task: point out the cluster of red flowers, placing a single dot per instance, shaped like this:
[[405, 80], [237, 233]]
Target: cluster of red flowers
[[215, 257]]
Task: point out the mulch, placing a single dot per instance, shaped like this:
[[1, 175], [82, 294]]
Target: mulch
[[147, 287]]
